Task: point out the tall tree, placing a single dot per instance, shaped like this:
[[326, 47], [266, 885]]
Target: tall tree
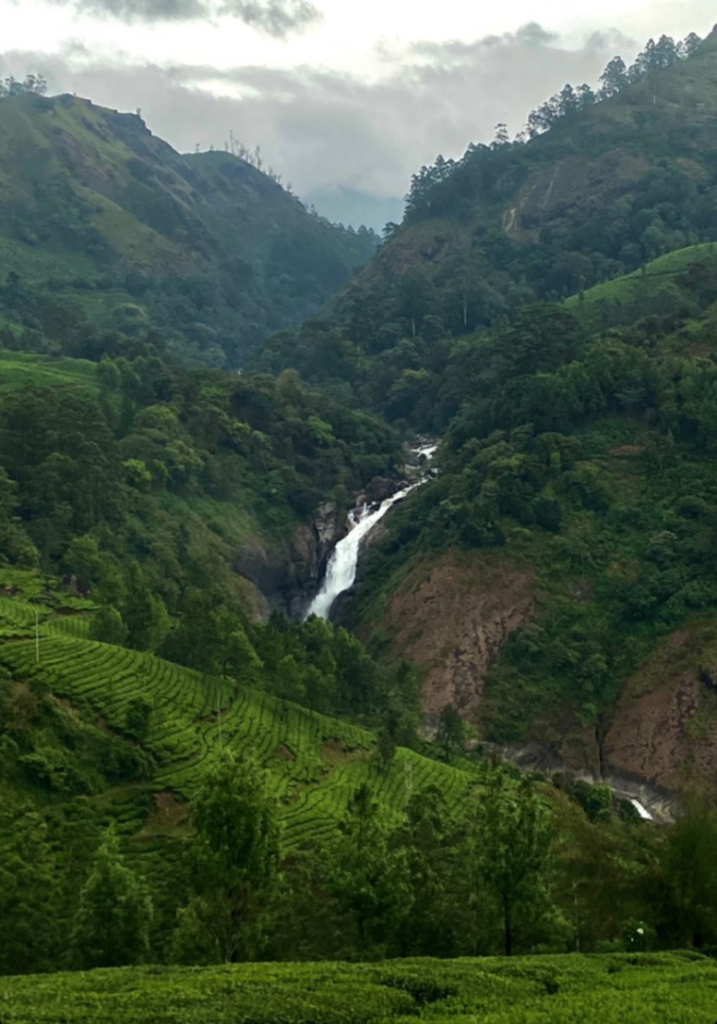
[[233, 865], [614, 78], [115, 912], [513, 845], [435, 919], [29, 924], [368, 876], [687, 888]]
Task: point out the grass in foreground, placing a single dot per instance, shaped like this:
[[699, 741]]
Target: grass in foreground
[[603, 989]]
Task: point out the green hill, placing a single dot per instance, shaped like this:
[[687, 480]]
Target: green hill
[[568, 537], [608, 187], [611, 187], [95, 736], [98, 217], [316, 762]]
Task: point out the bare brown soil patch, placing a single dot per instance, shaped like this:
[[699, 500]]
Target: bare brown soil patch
[[453, 618], [285, 753], [627, 451], [665, 726], [166, 814]]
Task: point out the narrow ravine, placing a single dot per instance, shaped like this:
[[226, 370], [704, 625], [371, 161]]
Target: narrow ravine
[[343, 564]]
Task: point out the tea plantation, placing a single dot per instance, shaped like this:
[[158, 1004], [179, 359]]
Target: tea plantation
[[679, 988], [315, 762]]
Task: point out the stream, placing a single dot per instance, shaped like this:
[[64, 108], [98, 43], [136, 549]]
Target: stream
[[343, 564]]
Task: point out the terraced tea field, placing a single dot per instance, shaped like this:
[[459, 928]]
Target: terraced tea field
[[315, 762], [677, 988]]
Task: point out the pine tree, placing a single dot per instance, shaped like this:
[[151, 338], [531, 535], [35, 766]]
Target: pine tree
[[614, 78]]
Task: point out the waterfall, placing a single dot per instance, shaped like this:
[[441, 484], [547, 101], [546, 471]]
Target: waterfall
[[343, 564]]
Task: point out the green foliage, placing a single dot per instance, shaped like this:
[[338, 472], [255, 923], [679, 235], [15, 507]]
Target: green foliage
[[114, 914], [368, 876], [206, 249], [597, 990], [235, 859], [29, 907], [513, 840]]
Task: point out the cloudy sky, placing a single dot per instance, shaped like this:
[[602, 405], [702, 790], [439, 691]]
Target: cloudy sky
[[347, 99]]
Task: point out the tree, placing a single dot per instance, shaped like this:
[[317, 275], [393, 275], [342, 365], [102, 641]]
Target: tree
[[614, 78], [689, 46], [513, 845], [144, 613], [31, 84], [686, 890], [435, 913], [115, 913], [234, 865], [29, 920], [451, 731], [368, 876], [108, 627]]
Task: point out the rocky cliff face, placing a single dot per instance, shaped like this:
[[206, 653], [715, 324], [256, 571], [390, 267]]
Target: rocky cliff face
[[452, 618], [660, 741], [288, 578], [664, 729]]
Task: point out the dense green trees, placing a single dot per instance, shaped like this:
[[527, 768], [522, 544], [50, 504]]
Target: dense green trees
[[31, 84], [518, 867], [29, 904], [94, 484]]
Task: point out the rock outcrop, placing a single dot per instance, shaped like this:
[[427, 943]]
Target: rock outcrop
[[288, 577], [452, 618]]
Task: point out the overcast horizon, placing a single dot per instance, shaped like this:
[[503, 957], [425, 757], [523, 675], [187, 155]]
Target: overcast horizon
[[346, 104]]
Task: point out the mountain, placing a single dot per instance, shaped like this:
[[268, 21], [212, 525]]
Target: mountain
[[189, 771], [106, 219], [568, 541], [610, 187], [548, 307]]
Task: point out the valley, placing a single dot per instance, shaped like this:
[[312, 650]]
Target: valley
[[377, 680]]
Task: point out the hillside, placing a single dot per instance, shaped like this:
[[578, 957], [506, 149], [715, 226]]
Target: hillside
[[607, 189], [99, 217], [193, 774], [568, 540], [95, 736], [548, 307]]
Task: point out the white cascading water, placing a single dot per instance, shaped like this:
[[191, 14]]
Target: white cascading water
[[343, 564], [642, 811]]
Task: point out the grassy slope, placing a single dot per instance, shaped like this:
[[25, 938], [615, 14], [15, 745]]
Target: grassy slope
[[655, 289], [315, 763], [18, 369], [611, 989]]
